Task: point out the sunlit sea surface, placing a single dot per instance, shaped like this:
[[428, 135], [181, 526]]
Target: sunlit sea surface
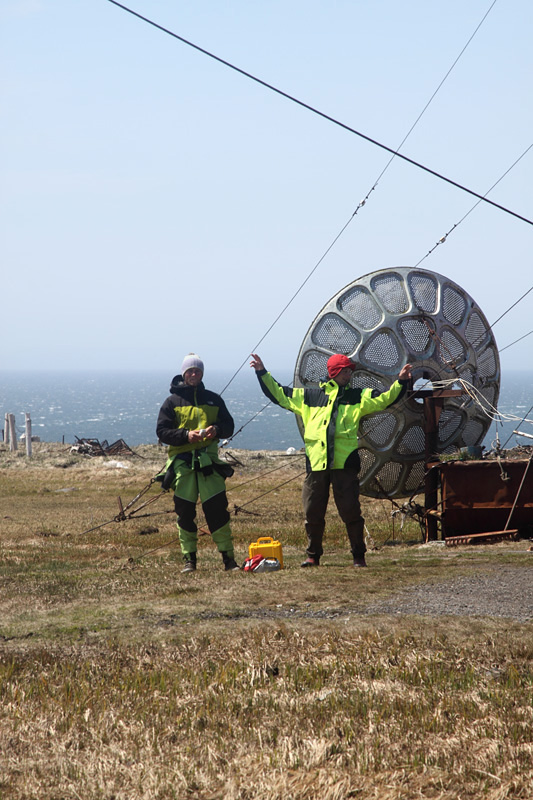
[[124, 405]]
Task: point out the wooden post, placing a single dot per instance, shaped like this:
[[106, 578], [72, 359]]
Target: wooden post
[[6, 429], [432, 411], [12, 432], [28, 434], [433, 406]]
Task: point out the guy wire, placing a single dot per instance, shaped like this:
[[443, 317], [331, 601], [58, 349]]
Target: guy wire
[[515, 341], [491, 326], [417, 120], [367, 196], [521, 421], [395, 153], [456, 225], [322, 114]]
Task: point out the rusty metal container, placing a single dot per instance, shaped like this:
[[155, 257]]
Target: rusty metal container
[[476, 498]]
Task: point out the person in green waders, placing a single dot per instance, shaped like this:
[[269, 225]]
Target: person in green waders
[[191, 421]]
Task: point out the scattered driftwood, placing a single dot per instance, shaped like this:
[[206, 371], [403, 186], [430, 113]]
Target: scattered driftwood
[[93, 447]]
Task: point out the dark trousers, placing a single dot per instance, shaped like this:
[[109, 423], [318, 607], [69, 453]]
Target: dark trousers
[[218, 521], [315, 496], [215, 510]]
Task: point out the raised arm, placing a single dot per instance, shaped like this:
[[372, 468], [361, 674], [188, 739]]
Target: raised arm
[[257, 363], [284, 396], [405, 373]]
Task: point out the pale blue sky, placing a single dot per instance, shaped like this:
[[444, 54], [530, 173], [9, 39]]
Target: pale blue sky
[[155, 202]]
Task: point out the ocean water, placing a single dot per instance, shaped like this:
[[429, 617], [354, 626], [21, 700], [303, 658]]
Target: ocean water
[[516, 399], [124, 405]]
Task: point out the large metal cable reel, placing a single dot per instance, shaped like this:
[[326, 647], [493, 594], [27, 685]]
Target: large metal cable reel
[[382, 321]]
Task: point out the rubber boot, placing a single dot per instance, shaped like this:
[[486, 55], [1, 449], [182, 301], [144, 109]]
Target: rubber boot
[[190, 563], [230, 565]]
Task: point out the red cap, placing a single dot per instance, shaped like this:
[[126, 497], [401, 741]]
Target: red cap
[[337, 363]]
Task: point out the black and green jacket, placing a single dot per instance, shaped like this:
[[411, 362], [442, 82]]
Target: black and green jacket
[[330, 415], [190, 408]]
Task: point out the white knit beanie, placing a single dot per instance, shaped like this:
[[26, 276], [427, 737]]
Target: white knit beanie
[[192, 360]]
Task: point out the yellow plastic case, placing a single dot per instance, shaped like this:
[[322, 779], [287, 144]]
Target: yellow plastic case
[[266, 547]]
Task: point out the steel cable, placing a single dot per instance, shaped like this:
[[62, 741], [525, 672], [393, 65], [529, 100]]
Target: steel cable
[[322, 114]]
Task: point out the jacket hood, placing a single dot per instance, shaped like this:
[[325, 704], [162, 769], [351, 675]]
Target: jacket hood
[[177, 383]]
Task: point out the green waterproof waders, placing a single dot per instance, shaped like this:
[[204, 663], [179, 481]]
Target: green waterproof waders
[[207, 484]]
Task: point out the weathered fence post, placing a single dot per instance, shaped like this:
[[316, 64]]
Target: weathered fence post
[[28, 434], [6, 429], [12, 432]]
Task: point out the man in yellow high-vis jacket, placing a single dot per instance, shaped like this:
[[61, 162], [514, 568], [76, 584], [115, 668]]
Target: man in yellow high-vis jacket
[[331, 414]]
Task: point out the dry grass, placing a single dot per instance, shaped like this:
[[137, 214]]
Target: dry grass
[[121, 678]]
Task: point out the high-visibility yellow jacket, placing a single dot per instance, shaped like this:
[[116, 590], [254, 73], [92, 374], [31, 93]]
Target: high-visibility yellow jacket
[[330, 415], [191, 408]]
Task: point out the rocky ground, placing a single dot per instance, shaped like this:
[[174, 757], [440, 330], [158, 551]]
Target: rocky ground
[[505, 592]]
